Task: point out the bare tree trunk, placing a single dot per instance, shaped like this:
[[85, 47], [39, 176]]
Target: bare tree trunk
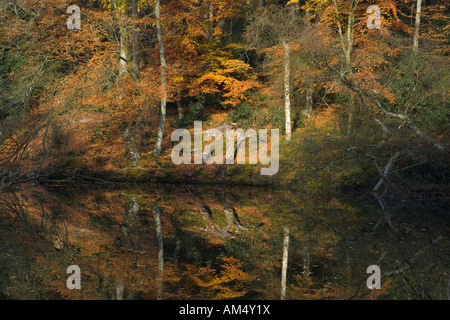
[[159, 241], [307, 111], [162, 56], [284, 263], [262, 3], [417, 26], [134, 40], [180, 107], [211, 21], [123, 56], [287, 90], [131, 147], [347, 47]]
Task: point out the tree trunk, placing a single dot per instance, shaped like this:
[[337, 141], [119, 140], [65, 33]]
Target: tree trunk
[[417, 26], [134, 41], [162, 56], [211, 21], [124, 52], [159, 241], [180, 107], [287, 90], [309, 102], [262, 3], [131, 147], [284, 263]]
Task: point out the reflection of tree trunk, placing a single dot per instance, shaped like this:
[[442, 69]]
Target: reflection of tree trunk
[[417, 26], [287, 90], [306, 262], [129, 221], [159, 240], [176, 254], [120, 289], [284, 263]]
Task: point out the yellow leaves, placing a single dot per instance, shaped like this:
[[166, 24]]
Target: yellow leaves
[[313, 5], [227, 77]]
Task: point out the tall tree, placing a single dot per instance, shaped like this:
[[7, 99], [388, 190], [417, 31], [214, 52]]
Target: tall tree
[[162, 57], [276, 28], [417, 26], [134, 40]]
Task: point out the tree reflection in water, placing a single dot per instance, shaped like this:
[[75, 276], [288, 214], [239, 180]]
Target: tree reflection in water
[[166, 242]]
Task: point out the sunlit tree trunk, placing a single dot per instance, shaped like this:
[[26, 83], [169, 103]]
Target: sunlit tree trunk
[[417, 26], [123, 44], [162, 56], [284, 263], [159, 241], [134, 40], [287, 90]]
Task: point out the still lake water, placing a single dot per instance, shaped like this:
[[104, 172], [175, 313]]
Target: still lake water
[[217, 242]]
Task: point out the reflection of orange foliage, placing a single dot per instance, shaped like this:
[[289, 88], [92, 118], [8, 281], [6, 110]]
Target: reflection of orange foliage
[[225, 284]]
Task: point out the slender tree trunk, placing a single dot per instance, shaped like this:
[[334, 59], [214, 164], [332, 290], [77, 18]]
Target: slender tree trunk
[[159, 241], [162, 56], [134, 40], [309, 102], [417, 26], [211, 21], [346, 41], [180, 107], [287, 90], [284, 263], [306, 262], [176, 253], [131, 147], [351, 113], [262, 3]]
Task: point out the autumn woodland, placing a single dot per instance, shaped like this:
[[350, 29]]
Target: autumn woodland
[[92, 91]]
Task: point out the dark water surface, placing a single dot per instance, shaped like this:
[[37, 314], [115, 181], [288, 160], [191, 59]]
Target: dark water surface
[[205, 242]]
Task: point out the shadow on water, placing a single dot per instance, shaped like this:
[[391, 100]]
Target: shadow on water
[[194, 242]]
